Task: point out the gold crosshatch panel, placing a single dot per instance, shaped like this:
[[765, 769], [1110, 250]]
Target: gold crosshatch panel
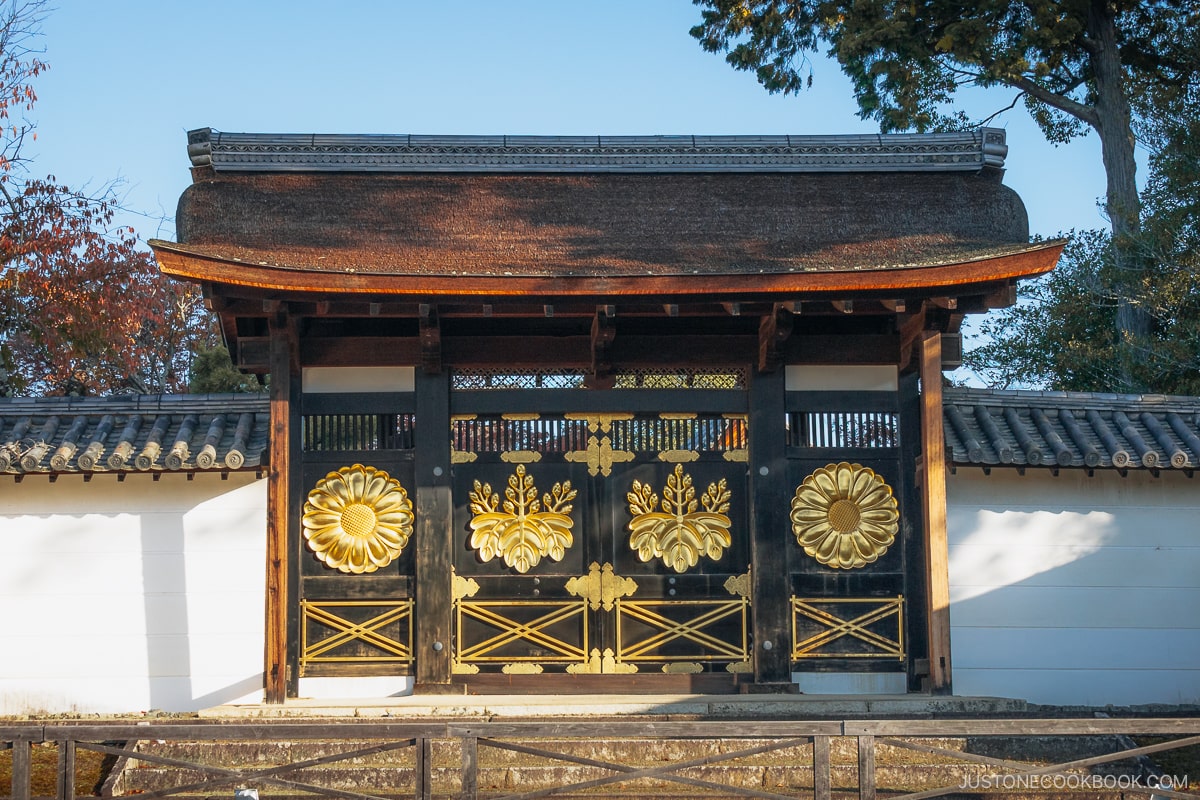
[[670, 632], [519, 631], [525, 636], [355, 632], [848, 627]]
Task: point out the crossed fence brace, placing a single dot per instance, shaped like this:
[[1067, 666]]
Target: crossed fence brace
[[778, 735]]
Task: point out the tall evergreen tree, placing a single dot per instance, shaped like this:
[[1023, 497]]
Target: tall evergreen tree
[[1108, 66]]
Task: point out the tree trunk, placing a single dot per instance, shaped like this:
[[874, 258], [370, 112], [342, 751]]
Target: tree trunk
[[1113, 123]]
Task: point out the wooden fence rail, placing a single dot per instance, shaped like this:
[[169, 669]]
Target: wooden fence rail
[[536, 739]]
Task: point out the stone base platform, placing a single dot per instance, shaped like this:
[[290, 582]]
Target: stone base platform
[[609, 706]]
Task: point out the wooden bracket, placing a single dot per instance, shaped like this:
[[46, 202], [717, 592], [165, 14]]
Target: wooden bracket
[[773, 331], [431, 340], [292, 326], [1002, 297], [603, 333], [910, 327]]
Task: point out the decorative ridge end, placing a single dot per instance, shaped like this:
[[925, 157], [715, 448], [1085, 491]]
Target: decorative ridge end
[[200, 146], [995, 147]]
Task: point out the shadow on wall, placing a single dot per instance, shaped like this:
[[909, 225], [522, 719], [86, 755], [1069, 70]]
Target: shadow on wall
[[1075, 606], [164, 593]]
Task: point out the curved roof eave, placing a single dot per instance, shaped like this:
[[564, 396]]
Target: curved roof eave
[[966, 270]]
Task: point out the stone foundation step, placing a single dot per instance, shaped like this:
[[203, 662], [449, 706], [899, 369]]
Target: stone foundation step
[[753, 706]]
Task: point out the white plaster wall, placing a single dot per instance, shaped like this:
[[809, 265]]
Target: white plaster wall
[[1075, 590], [131, 596]]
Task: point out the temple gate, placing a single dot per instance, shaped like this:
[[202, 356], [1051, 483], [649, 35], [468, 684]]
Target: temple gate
[[578, 414]]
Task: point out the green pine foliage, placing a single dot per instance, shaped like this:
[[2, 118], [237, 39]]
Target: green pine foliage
[[1120, 313], [213, 372]]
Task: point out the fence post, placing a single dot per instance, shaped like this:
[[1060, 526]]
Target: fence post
[[423, 782], [866, 768], [470, 768], [21, 777], [821, 780], [66, 769]]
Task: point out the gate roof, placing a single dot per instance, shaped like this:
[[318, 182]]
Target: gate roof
[[740, 218]]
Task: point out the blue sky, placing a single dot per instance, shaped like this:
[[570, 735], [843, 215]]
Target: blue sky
[[129, 77]]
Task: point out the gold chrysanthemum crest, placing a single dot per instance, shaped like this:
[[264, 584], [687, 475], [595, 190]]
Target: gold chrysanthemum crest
[[844, 515], [357, 519], [522, 533], [679, 534]]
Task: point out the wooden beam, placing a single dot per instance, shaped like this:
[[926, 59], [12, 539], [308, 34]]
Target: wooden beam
[[773, 330], [603, 333], [1002, 297], [933, 498], [434, 535], [278, 511], [431, 340], [357, 351], [769, 574], [848, 348], [910, 326]]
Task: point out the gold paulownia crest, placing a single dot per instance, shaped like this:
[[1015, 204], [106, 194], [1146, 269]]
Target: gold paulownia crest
[[522, 533], [679, 534], [357, 519], [844, 515]]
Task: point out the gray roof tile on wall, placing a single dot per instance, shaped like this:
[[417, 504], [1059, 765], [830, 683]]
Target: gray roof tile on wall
[[1021, 428], [197, 433], [132, 433]]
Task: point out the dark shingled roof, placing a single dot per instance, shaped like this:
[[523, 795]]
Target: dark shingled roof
[[983, 427], [993, 428], [596, 206], [133, 433]]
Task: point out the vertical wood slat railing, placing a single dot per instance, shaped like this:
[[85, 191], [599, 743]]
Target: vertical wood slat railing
[[770, 735]]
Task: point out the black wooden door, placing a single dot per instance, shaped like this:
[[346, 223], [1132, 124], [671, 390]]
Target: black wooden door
[[601, 542], [353, 551], [853, 558]]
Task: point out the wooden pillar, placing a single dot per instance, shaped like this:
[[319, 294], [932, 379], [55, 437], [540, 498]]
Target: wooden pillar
[[278, 512], [434, 534], [769, 530], [933, 498]]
